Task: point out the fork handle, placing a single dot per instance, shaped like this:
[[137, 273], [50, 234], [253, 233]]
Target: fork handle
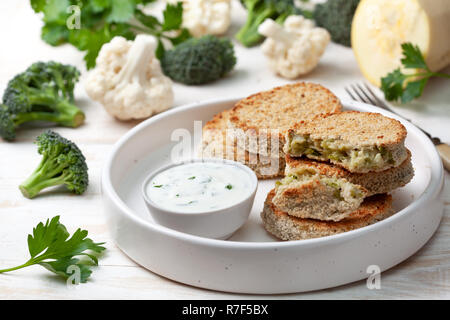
[[444, 152]]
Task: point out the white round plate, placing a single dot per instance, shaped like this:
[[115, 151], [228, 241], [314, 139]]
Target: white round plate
[[252, 261]]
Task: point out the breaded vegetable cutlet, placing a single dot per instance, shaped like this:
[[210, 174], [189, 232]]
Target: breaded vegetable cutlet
[[286, 227], [357, 141]]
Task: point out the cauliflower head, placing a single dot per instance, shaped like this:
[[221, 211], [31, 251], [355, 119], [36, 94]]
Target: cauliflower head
[[202, 17], [128, 80], [295, 48]]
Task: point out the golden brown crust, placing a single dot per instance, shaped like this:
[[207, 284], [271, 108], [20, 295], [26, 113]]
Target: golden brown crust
[[375, 182], [355, 128], [371, 207], [286, 227], [316, 200], [217, 144], [218, 122], [280, 107]]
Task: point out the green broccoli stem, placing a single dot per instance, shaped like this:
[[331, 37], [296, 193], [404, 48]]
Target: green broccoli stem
[[66, 114], [57, 77], [34, 184], [248, 35], [47, 174], [69, 115]]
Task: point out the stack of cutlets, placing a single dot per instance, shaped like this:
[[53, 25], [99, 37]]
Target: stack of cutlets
[[339, 169], [254, 131]]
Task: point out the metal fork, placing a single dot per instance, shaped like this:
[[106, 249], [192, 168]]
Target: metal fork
[[365, 94]]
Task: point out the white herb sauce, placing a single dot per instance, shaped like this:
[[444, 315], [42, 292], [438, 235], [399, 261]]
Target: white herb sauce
[[199, 187]]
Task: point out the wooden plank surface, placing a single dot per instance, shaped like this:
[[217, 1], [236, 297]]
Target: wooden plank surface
[[424, 275]]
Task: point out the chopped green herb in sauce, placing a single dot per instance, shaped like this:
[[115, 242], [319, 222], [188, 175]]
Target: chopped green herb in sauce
[[199, 187]]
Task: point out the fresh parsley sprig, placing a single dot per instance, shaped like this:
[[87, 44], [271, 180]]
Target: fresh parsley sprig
[[88, 24], [393, 85], [51, 247]]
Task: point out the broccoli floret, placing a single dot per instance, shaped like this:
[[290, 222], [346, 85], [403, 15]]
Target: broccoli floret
[[62, 164], [260, 10], [42, 92], [7, 125], [199, 60], [336, 16]]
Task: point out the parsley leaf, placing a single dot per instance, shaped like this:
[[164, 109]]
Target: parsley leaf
[[413, 90], [148, 21], [102, 20], [38, 5], [405, 87], [173, 17], [181, 37], [392, 84], [121, 11], [54, 34], [413, 58], [51, 247]]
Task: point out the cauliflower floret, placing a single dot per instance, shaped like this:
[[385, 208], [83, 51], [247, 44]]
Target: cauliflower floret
[[294, 49], [128, 80], [203, 17]]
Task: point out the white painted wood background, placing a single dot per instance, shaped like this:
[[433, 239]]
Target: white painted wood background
[[424, 275]]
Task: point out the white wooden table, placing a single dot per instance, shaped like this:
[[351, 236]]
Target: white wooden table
[[424, 275]]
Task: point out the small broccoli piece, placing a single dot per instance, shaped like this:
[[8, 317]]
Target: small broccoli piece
[[7, 126], [199, 60], [42, 92], [336, 16], [62, 164], [260, 10]]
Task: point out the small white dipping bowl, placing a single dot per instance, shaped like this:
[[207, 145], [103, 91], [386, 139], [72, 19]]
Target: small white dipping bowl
[[219, 223]]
